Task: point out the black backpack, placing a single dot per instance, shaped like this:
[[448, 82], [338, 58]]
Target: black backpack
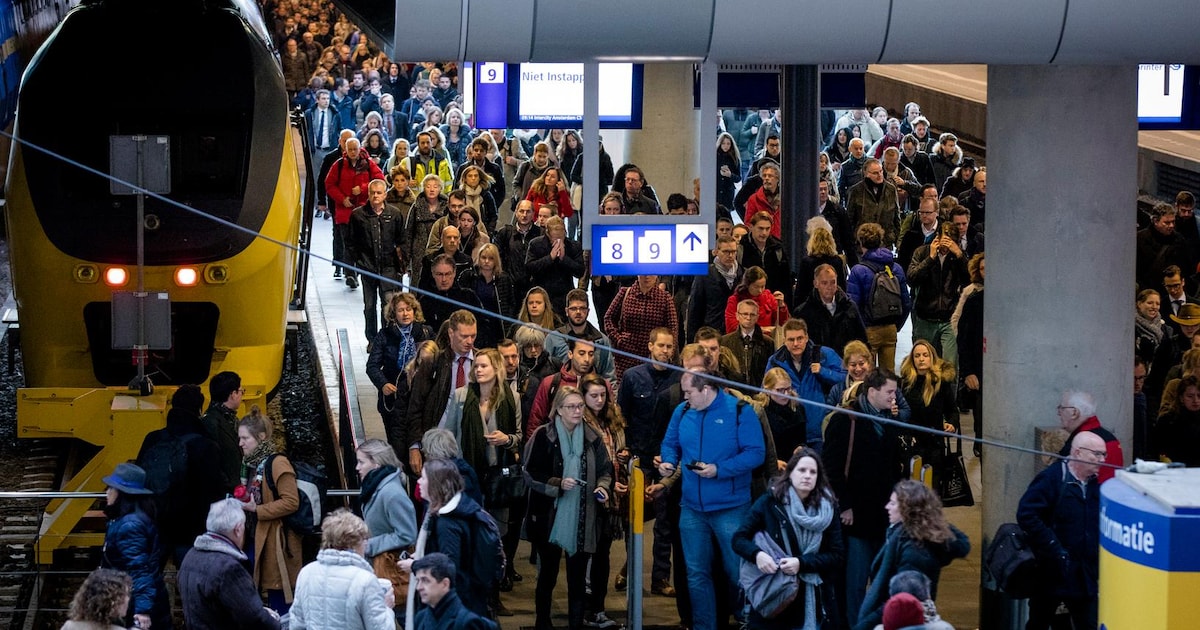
[[883, 300], [487, 550], [313, 487], [166, 466], [1011, 562]]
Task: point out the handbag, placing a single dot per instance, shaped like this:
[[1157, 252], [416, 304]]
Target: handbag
[[385, 568], [504, 483], [953, 485], [768, 594]]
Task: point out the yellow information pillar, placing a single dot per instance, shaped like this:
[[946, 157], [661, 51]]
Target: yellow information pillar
[[1149, 556]]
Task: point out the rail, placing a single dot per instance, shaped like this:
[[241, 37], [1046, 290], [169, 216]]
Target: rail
[[350, 426]]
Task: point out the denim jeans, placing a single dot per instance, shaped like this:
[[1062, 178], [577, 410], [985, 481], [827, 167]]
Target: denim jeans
[[702, 533], [940, 334], [860, 553]]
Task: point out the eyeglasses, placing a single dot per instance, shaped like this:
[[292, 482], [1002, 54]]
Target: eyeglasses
[[573, 407], [241, 390], [1095, 453], [782, 390], [1173, 285], [1062, 408]]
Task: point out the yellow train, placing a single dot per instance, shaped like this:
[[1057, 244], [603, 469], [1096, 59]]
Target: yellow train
[[204, 75]]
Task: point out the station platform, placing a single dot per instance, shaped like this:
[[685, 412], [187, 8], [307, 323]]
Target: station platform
[[333, 306]]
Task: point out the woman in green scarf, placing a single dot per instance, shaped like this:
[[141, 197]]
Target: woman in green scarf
[[569, 474]]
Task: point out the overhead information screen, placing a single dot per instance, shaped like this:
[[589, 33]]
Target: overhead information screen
[[1167, 96], [551, 95], [1160, 93]]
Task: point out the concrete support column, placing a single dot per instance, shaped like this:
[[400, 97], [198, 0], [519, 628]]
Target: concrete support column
[[666, 146], [1060, 265], [800, 100]]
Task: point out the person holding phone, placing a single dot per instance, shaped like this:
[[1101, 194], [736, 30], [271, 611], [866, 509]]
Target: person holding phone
[[937, 276], [569, 475]]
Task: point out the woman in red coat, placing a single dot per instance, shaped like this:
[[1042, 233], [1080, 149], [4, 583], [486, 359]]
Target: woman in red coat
[[551, 189], [771, 309]]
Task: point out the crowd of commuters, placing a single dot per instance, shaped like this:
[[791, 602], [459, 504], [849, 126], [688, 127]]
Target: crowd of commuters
[[498, 431]]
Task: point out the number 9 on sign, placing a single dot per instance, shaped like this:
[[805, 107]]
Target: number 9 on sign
[[655, 246], [617, 248]]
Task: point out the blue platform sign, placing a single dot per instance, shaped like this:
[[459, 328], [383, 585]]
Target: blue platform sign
[[664, 250]]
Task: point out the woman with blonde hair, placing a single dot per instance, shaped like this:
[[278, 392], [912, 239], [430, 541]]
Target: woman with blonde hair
[[476, 183], [918, 539], [273, 496], [386, 509], [929, 384], [340, 591], [494, 288], [821, 250], [784, 414]]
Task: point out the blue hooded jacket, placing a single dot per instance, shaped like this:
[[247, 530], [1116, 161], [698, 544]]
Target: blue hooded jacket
[[726, 434], [809, 386]]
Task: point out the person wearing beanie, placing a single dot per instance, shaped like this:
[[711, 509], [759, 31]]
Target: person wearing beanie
[[903, 611]]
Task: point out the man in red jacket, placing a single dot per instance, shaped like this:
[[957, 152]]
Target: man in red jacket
[[768, 198], [346, 186], [1077, 413]]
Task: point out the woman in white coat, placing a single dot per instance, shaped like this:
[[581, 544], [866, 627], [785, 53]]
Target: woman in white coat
[[340, 591]]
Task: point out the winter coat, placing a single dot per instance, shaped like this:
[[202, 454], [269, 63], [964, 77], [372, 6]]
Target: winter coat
[[132, 545], [709, 295], [217, 591], [343, 176], [726, 434], [339, 592], [943, 167], [1061, 521], [874, 468], [769, 514], [936, 284], [810, 387], [858, 286], [943, 407], [514, 245], [901, 552], [631, 317], [561, 199], [220, 425], [832, 330], [374, 241], [556, 275], [970, 336], [183, 508], [865, 205], [725, 185], [912, 239], [637, 398], [751, 356], [275, 544], [758, 202], [773, 259], [770, 312], [390, 517], [451, 614], [543, 475], [416, 231], [808, 268], [505, 302], [431, 391], [450, 533]]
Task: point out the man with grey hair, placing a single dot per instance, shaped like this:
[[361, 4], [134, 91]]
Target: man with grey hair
[[216, 590], [1077, 414]]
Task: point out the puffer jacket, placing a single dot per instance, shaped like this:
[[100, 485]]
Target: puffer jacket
[[339, 592], [217, 591], [132, 545]]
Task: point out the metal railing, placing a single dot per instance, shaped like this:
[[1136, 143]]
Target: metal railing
[[350, 426]]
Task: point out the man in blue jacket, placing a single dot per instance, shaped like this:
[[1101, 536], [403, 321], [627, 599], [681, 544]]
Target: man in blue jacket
[[813, 370], [881, 327], [720, 442]]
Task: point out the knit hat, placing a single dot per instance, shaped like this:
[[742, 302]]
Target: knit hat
[[901, 611]]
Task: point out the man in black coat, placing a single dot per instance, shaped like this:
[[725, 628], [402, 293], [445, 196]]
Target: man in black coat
[[710, 294], [862, 478], [183, 495], [436, 381], [833, 319], [1159, 246], [434, 574], [843, 230], [1060, 514], [434, 305], [216, 589], [374, 246]]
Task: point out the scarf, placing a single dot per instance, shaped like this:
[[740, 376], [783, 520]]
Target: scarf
[[474, 197], [1146, 327], [260, 453], [730, 274], [808, 523], [371, 482], [866, 407], [565, 531], [410, 602], [408, 347]]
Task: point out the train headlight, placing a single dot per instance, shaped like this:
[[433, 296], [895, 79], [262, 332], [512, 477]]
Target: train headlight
[[186, 276], [87, 274], [216, 274], [116, 276]]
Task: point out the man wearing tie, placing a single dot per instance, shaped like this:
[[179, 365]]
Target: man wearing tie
[[392, 122], [436, 381], [322, 119], [1175, 296]]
